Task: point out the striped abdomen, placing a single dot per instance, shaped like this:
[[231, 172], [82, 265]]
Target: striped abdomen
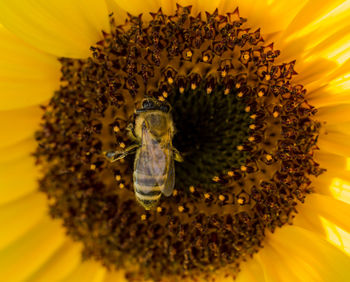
[[150, 174]]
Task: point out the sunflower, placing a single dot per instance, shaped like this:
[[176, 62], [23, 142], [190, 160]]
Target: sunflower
[[263, 191]]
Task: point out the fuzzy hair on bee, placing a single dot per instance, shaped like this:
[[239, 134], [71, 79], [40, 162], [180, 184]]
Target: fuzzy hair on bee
[[154, 171]]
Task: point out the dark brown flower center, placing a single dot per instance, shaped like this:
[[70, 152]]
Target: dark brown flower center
[[245, 131]]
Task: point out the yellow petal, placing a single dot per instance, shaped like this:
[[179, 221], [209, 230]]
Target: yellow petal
[[87, 271], [27, 76], [17, 125], [330, 208], [17, 178], [306, 255], [251, 271], [310, 12], [137, 7], [18, 150], [19, 217], [64, 28], [335, 142], [113, 276], [334, 114], [23, 257], [275, 268], [62, 262]]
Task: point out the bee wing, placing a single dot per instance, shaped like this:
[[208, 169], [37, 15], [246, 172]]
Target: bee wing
[[168, 187], [160, 163], [170, 181]]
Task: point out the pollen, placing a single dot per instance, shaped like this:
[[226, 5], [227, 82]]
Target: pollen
[[192, 189], [222, 198], [181, 209]]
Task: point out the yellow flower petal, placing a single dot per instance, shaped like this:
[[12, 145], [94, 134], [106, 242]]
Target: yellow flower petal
[[19, 217], [87, 271], [310, 12], [17, 178], [17, 125], [304, 254], [26, 255], [335, 142], [330, 208], [62, 263], [113, 276], [334, 114], [251, 271], [60, 27], [18, 150], [27, 76]]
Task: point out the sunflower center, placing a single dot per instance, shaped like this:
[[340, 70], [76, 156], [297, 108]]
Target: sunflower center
[[245, 132], [210, 127]]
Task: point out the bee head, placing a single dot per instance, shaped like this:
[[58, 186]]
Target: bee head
[[150, 104]]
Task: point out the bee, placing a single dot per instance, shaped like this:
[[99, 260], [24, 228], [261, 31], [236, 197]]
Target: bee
[[154, 172]]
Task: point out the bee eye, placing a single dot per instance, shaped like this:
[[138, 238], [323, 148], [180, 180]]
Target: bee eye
[[148, 104], [165, 108]]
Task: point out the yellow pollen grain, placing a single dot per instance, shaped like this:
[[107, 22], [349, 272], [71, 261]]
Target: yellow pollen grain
[[116, 129], [251, 138], [180, 208], [268, 157], [165, 94], [240, 201], [192, 189], [170, 80], [246, 56], [207, 195], [122, 145], [193, 86], [275, 114], [175, 192], [230, 173], [143, 217], [189, 54], [243, 168], [222, 198], [226, 91], [118, 177], [182, 90], [260, 93], [205, 59], [209, 90], [159, 209], [240, 94], [267, 77], [247, 109], [252, 126], [216, 179], [253, 116], [223, 73], [121, 185], [93, 167], [238, 85], [240, 147], [161, 98]]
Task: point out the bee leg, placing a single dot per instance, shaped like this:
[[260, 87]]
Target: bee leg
[[131, 132], [177, 155], [114, 156]]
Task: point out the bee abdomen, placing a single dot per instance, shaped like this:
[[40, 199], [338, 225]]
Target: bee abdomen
[[147, 189]]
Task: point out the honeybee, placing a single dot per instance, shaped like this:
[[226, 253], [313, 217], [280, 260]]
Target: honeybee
[[154, 172]]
